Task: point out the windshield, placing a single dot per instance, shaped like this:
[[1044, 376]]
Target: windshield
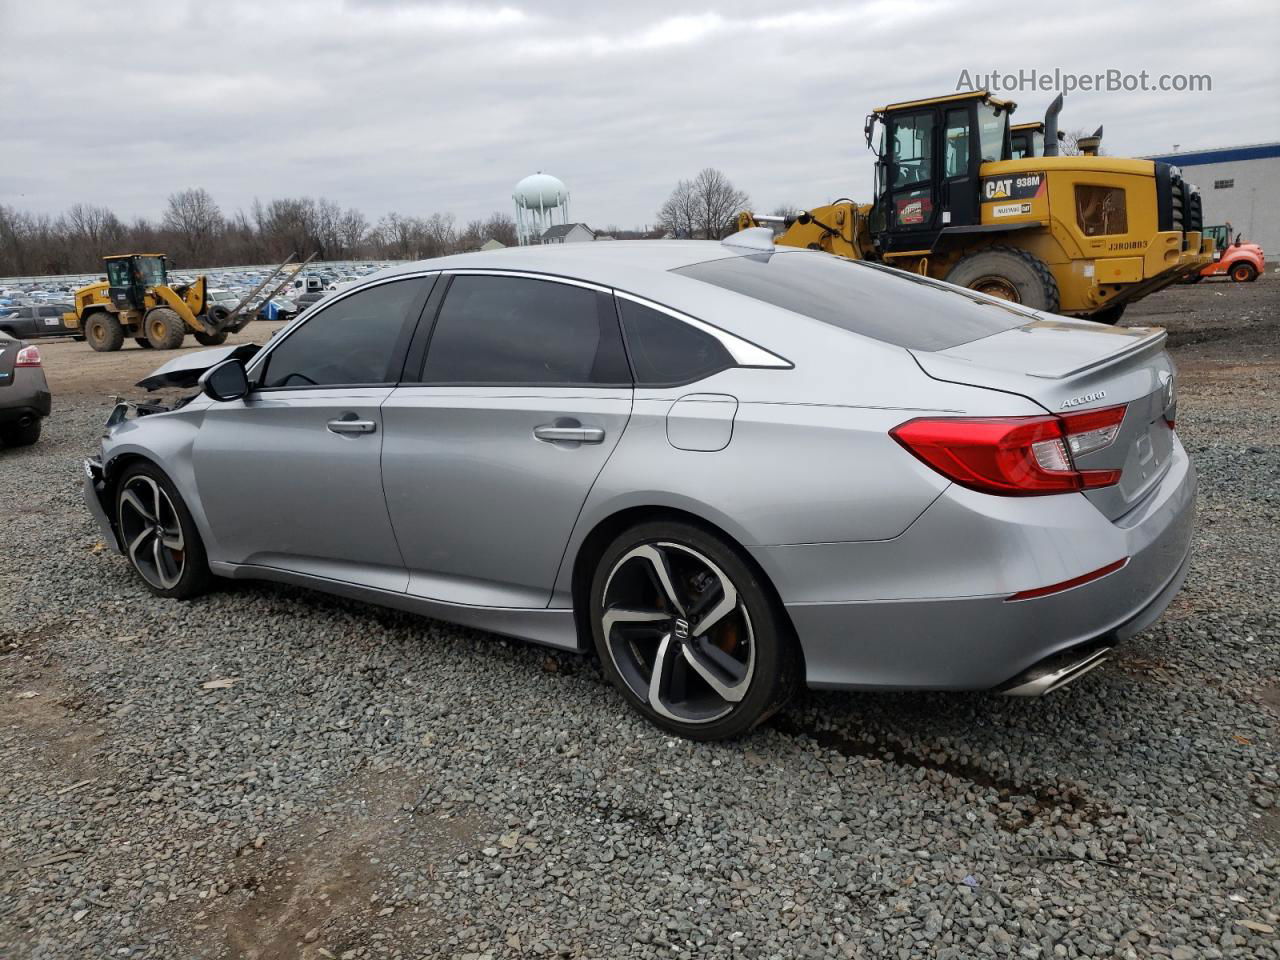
[[992, 129], [150, 270], [875, 301]]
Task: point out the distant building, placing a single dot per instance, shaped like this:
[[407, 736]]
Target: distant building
[[492, 244], [568, 233], [1237, 185]]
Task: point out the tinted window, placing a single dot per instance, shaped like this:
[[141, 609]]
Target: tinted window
[[352, 341], [667, 351], [50, 312], [505, 330], [880, 302]]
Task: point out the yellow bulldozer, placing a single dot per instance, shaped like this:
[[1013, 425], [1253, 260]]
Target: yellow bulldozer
[[1080, 235], [136, 300]]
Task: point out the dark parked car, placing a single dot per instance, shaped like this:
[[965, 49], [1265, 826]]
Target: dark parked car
[[24, 393], [35, 321], [305, 300]]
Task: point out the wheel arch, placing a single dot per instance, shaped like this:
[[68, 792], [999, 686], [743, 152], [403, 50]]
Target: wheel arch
[[596, 541]]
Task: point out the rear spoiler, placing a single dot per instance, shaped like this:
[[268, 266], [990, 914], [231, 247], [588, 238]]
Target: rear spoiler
[[1146, 340]]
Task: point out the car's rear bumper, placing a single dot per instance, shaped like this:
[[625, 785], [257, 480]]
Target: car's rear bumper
[[23, 406], [94, 492], [931, 609]]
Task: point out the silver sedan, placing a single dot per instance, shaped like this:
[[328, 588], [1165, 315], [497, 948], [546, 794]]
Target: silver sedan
[[728, 469]]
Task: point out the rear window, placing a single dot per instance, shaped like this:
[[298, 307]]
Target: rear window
[[868, 299]]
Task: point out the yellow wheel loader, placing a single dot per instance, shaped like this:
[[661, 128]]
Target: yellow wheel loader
[[136, 300], [1081, 235]]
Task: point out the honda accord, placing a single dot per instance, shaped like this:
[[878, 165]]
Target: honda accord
[[727, 468]]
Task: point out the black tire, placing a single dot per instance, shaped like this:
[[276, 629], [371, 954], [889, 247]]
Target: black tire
[[1192, 278], [20, 435], [164, 328], [697, 563], [1243, 272], [143, 342], [194, 578], [104, 331], [1009, 273], [211, 339], [1111, 314]]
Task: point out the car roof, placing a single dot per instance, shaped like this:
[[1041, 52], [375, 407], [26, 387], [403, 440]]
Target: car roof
[[609, 263]]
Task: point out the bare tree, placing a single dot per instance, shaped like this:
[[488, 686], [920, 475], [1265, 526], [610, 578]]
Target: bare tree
[[195, 221], [678, 213], [287, 226], [97, 229], [706, 206], [501, 227], [353, 228], [718, 202]]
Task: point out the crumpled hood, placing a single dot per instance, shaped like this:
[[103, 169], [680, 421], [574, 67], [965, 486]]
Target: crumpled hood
[[185, 370]]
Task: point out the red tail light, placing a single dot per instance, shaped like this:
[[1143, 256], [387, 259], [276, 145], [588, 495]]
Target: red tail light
[[1015, 456], [28, 357]]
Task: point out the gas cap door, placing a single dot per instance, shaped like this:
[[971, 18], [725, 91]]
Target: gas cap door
[[702, 422]]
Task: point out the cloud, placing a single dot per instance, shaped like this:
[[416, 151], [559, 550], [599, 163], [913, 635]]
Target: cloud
[[423, 106]]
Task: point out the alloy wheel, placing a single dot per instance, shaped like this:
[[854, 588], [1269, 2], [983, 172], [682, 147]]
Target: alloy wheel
[[152, 532], [678, 632]]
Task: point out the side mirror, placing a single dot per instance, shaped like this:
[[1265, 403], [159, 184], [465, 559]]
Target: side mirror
[[226, 381]]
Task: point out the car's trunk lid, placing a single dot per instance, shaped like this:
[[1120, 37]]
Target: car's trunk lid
[[1070, 366]]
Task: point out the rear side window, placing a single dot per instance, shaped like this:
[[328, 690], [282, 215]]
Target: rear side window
[[666, 351], [868, 299], [353, 341], [515, 330]]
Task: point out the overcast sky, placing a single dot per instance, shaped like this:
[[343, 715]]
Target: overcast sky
[[420, 107]]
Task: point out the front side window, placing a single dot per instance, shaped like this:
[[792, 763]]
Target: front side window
[[666, 351], [992, 124], [516, 330], [957, 143], [912, 149], [353, 341]]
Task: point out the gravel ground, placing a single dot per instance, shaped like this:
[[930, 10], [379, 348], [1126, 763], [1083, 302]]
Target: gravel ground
[[368, 784]]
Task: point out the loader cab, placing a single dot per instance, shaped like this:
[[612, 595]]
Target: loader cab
[[929, 156], [131, 275], [1222, 238], [1026, 140]]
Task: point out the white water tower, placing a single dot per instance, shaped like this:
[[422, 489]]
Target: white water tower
[[538, 197]]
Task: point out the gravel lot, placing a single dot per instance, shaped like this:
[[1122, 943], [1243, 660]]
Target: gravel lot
[[368, 784]]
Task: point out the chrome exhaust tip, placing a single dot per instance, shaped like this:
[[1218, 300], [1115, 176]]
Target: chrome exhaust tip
[[1057, 671]]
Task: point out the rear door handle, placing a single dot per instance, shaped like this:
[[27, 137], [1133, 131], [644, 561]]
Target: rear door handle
[[554, 433], [351, 426]]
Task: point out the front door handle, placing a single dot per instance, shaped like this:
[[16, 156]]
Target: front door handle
[[564, 433], [351, 426]]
